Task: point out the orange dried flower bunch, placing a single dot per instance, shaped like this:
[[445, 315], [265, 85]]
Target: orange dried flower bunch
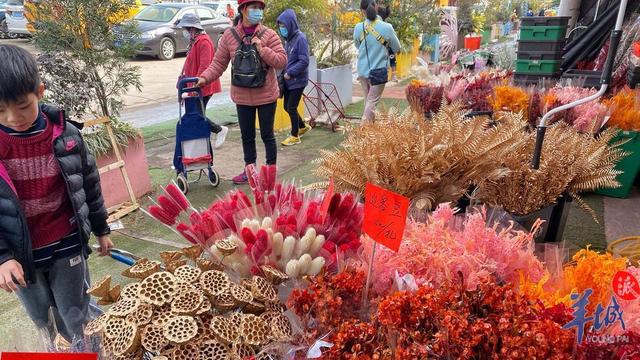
[[625, 109], [510, 98]]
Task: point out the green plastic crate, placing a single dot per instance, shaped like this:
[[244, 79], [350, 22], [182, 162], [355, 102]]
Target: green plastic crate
[[543, 33], [537, 67], [630, 165]]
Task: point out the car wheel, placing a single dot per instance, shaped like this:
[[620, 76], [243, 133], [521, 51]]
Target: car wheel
[[167, 49], [4, 29]]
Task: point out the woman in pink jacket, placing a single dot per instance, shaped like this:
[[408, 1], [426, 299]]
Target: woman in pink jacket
[[251, 96]]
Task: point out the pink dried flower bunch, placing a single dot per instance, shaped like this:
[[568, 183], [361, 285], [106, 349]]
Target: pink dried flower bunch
[[446, 245]]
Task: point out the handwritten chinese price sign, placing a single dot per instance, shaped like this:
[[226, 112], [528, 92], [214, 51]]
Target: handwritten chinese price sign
[[385, 216], [43, 356], [625, 285]]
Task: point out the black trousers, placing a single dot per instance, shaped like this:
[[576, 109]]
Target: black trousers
[[215, 128], [291, 101], [247, 120]]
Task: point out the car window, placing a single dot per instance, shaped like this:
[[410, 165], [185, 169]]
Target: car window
[[213, 6], [205, 14], [15, 2], [157, 13]]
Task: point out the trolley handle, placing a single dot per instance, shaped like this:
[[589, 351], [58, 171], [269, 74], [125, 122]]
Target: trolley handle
[[183, 88]]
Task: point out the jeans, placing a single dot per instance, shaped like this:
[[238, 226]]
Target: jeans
[[215, 128], [62, 286], [291, 102], [372, 96], [247, 122]]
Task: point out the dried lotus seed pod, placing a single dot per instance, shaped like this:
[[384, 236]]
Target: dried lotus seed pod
[[240, 295], [254, 330], [172, 266], [130, 291], [124, 307], [181, 329], [224, 330], [96, 325], [206, 265], [113, 327], [101, 288], [187, 303], [214, 350], [275, 276], [281, 328], [192, 252], [153, 339], [128, 341], [214, 283], [187, 273], [242, 351], [185, 352], [142, 315], [262, 290], [170, 256], [226, 247], [158, 289]]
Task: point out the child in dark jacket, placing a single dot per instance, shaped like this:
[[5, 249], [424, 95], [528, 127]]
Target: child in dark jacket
[[50, 202], [296, 74]]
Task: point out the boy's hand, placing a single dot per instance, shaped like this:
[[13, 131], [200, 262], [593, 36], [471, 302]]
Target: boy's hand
[[10, 272], [105, 245]]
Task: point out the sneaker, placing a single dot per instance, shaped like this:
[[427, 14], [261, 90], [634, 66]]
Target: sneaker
[[304, 130], [291, 140], [240, 179], [221, 137]]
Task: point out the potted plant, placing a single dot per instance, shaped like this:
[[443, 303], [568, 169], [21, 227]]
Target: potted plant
[[88, 75]]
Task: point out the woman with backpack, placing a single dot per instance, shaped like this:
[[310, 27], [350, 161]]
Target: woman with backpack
[[375, 39], [296, 74], [256, 52], [199, 56]]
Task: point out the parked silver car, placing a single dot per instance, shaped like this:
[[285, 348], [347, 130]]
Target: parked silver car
[[16, 21], [159, 34]]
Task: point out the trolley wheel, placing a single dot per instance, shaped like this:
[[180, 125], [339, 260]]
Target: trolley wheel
[[214, 178], [183, 184], [313, 123], [334, 127]]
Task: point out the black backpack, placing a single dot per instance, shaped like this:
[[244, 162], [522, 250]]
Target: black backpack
[[247, 69]]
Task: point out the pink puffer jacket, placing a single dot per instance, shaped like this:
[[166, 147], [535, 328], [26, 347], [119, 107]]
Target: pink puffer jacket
[[273, 55]]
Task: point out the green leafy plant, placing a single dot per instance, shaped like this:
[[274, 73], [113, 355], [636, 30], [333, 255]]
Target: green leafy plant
[[410, 18], [81, 53], [311, 14], [331, 55]]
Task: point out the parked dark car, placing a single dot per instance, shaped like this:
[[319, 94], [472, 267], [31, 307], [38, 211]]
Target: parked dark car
[[159, 35]]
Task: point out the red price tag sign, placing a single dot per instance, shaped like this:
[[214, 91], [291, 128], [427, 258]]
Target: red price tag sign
[[385, 216], [43, 356], [625, 285], [326, 201]]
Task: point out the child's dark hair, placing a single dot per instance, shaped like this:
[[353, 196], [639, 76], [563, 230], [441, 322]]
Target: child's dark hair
[[369, 6], [19, 74]]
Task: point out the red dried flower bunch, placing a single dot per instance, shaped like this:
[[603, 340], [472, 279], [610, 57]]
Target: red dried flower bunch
[[330, 300]]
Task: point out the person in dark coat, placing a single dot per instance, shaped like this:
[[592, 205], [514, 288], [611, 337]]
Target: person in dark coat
[[50, 203], [296, 74]]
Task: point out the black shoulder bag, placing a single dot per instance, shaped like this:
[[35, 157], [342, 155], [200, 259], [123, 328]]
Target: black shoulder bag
[[376, 76]]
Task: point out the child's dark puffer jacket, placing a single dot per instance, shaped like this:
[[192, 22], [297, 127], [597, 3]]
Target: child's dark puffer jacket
[[83, 186]]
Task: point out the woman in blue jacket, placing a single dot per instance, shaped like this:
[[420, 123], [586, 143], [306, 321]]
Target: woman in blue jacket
[[296, 74], [373, 37]]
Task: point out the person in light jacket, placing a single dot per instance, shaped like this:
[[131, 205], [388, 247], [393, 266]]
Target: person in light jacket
[[251, 100], [296, 74], [372, 54]]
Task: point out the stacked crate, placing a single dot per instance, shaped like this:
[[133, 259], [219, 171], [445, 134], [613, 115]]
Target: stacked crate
[[540, 48]]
